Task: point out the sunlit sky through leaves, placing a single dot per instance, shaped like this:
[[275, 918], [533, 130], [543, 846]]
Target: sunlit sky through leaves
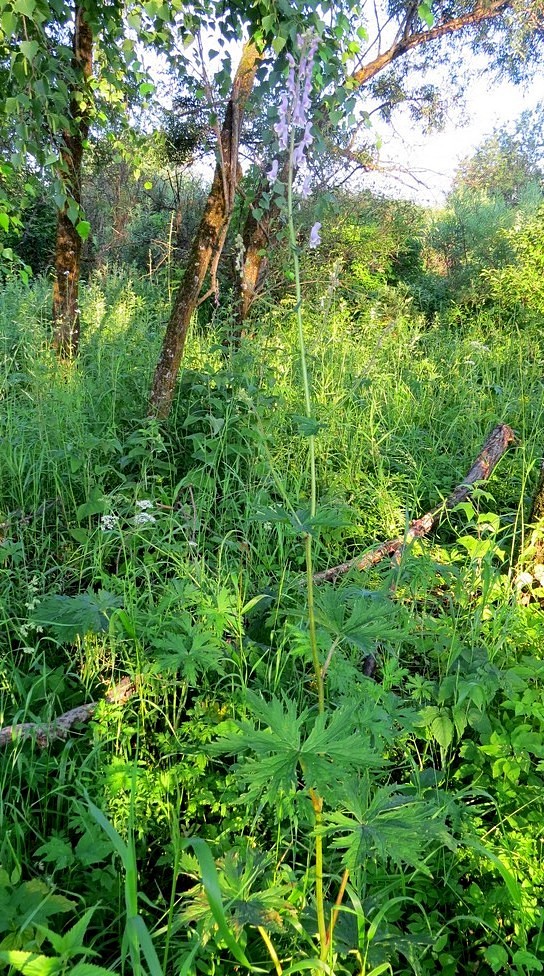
[[421, 167]]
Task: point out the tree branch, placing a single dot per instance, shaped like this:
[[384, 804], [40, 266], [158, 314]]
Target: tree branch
[[476, 16], [495, 446], [47, 732]]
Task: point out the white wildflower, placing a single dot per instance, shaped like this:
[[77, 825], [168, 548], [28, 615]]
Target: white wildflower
[[144, 518], [108, 522], [144, 504]]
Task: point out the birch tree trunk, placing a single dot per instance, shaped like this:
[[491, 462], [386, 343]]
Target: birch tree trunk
[[68, 241], [209, 238]]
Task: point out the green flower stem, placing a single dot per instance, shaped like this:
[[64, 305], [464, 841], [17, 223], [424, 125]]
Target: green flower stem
[[271, 950], [317, 804], [311, 438], [311, 621]]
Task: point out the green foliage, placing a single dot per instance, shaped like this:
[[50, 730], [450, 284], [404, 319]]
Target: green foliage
[[518, 286], [429, 772], [68, 948], [68, 617], [508, 162]]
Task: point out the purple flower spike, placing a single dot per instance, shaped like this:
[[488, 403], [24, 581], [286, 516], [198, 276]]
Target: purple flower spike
[[282, 125], [315, 238]]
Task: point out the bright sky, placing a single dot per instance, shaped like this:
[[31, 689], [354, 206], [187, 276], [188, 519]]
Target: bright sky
[[421, 167], [433, 159]]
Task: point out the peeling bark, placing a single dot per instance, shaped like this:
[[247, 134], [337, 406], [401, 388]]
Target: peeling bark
[[256, 238], [210, 236], [68, 242]]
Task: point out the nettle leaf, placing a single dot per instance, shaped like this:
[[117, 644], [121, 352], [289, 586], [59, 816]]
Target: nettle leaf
[[388, 826], [90, 969], [31, 964], [30, 898], [442, 730], [69, 617], [71, 943]]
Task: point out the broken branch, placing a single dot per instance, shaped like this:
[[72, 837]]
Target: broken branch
[[46, 732], [495, 446]]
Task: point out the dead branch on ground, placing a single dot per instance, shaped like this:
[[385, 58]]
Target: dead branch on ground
[[495, 446], [58, 728]]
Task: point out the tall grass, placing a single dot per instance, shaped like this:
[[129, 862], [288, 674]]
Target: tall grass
[[205, 603]]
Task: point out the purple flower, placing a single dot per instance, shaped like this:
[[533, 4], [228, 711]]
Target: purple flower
[[295, 102], [282, 125], [273, 171], [291, 78], [315, 239], [305, 188], [298, 155]]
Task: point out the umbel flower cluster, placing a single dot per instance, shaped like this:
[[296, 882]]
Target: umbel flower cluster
[[294, 126]]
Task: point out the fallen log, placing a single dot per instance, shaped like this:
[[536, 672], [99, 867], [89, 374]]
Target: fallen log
[[58, 728], [495, 446]]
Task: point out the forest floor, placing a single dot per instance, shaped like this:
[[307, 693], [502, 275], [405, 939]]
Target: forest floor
[[213, 819]]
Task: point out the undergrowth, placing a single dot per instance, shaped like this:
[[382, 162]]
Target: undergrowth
[[173, 832]]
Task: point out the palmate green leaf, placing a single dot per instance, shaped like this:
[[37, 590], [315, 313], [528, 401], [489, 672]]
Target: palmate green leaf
[[192, 654], [334, 749], [210, 882], [389, 826], [323, 750], [276, 749], [373, 617], [253, 892]]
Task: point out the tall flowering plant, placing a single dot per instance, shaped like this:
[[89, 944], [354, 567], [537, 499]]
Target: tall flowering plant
[[294, 133]]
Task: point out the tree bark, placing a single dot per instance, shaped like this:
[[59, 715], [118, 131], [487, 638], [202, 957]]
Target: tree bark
[[68, 242], [256, 237], [209, 239], [46, 732], [495, 446], [253, 267]]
